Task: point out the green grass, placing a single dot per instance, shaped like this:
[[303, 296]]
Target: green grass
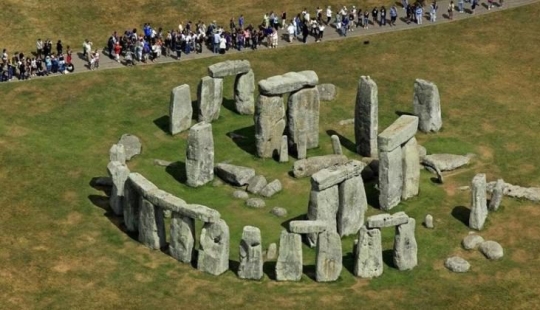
[[61, 250]]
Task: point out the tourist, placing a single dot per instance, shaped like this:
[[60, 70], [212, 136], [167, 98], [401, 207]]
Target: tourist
[[222, 44], [374, 14], [393, 15], [490, 4], [451, 10], [419, 12], [460, 5], [328, 15], [474, 4], [383, 16], [405, 4], [305, 32], [39, 48], [290, 31], [433, 12], [321, 32], [59, 48], [5, 56], [366, 19], [87, 50]]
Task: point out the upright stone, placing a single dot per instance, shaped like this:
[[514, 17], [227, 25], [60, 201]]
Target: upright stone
[[180, 109], [303, 118], [390, 179], [209, 99], [284, 150], [251, 257], [119, 174], [329, 257], [269, 121], [366, 117], [244, 89], [289, 262], [214, 248], [352, 206], [131, 207], [151, 225], [368, 261], [336, 145], [200, 155], [496, 195], [427, 106], [405, 247], [301, 146], [479, 209], [271, 252], [323, 206], [182, 237], [411, 169], [117, 152]]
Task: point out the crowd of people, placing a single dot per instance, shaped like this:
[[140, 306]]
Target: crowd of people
[[150, 43]]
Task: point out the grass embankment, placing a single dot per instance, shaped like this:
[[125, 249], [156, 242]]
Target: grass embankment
[[61, 250]]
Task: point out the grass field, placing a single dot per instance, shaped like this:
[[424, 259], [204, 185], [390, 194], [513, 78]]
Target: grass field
[[62, 250]]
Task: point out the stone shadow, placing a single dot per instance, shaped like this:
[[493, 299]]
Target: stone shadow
[[346, 143], [372, 194], [269, 269], [348, 262], [468, 11], [244, 138], [462, 214], [235, 265], [485, 5], [388, 258], [195, 114], [400, 113], [297, 218], [310, 271], [102, 202], [399, 4], [163, 123], [178, 171], [230, 105]]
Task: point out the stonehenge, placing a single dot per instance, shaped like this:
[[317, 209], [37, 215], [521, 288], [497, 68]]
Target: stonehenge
[[180, 109], [214, 248], [289, 261], [366, 117], [368, 253], [479, 211], [251, 256], [200, 155], [427, 106]]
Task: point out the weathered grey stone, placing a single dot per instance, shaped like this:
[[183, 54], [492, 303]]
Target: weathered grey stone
[[403, 129], [457, 264], [288, 82], [271, 253], [256, 184], [200, 155], [336, 145], [411, 169], [141, 184], [433, 168], [387, 220], [269, 121], [151, 225], [209, 99], [352, 206], [428, 221], [327, 92], [390, 178], [284, 150], [446, 162], [496, 195], [117, 153], [323, 206], [329, 257], [471, 241], [479, 209], [251, 256], [235, 175], [336, 174], [214, 248], [240, 195], [244, 89], [167, 213], [131, 207], [180, 109], [229, 68], [405, 247], [132, 145], [182, 237], [368, 261], [308, 227], [421, 150], [344, 122], [168, 201], [279, 211], [163, 163], [529, 193], [271, 189], [303, 118], [119, 174], [301, 146], [289, 262], [256, 203], [427, 106], [491, 250], [366, 117], [309, 166]]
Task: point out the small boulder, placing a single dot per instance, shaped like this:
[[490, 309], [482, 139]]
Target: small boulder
[[279, 211], [271, 253], [271, 189], [256, 184], [256, 203], [327, 92], [457, 264], [235, 175], [471, 241], [428, 221], [132, 145], [446, 162], [491, 249], [240, 195]]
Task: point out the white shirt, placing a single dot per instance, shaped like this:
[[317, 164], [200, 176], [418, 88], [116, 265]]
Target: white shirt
[[222, 43], [328, 13]]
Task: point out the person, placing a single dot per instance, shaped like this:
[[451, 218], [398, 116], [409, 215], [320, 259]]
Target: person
[[241, 21], [318, 13], [433, 11], [383, 16], [490, 4], [217, 41], [59, 48], [393, 15], [328, 14], [5, 56], [419, 12], [321, 32], [405, 4], [366, 19], [451, 10], [473, 6], [283, 19], [87, 50], [374, 14], [460, 5], [305, 32], [39, 48], [117, 50], [290, 31], [69, 57], [222, 44]]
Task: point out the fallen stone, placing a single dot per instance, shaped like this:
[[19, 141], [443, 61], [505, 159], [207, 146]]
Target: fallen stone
[[209, 99], [200, 155], [151, 226], [240, 195], [329, 257], [447, 162], [405, 247], [491, 250], [307, 227], [284, 150], [256, 184], [427, 106], [279, 212], [471, 241], [256, 203], [251, 256], [368, 261], [229, 68], [352, 206], [387, 220], [117, 153], [496, 195], [213, 253], [411, 169], [344, 122], [529, 193], [336, 174], [244, 89], [428, 221], [457, 264], [323, 206], [288, 82], [132, 145], [235, 175], [289, 262], [403, 129], [390, 178], [327, 92], [119, 174], [479, 211], [464, 188], [271, 189], [182, 237], [433, 168], [162, 163], [309, 166], [271, 253], [180, 109], [366, 121], [303, 118], [269, 121], [336, 145]]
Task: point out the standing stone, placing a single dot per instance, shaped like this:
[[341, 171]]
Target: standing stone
[[368, 261], [411, 169], [390, 178], [366, 117], [244, 89], [214, 248], [151, 225], [209, 98], [182, 237], [352, 206], [479, 209], [284, 150], [180, 109], [329, 257], [428, 221], [427, 106], [269, 125], [496, 195], [271, 253], [301, 146], [131, 207], [303, 118], [336, 145], [119, 174], [117, 153], [251, 258], [323, 206], [327, 92], [200, 155], [289, 262], [405, 247]]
